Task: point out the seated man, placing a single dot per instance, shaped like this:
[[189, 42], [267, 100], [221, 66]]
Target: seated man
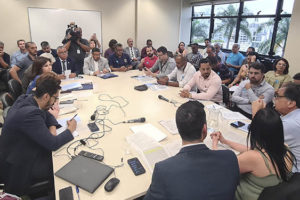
[[112, 48], [251, 90], [148, 44], [29, 137], [63, 63], [287, 103], [4, 65], [149, 60], [95, 64], [210, 51], [220, 53], [133, 53], [250, 49], [46, 49], [183, 72], [235, 59], [196, 172], [17, 71], [195, 56], [207, 43], [19, 55], [220, 69], [207, 82], [296, 78], [119, 61], [163, 66]]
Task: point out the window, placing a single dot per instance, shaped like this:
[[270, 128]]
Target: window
[[249, 23]]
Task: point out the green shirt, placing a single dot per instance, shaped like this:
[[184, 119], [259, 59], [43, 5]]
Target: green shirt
[[276, 80]]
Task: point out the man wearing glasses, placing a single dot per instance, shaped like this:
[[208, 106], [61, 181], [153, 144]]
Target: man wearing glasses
[[63, 64], [29, 137], [251, 90]]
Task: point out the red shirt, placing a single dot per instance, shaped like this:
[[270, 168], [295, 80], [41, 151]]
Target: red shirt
[[149, 62]]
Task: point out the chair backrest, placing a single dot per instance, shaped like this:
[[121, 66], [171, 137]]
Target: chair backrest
[[6, 100], [15, 88], [285, 190], [5, 111], [226, 94]]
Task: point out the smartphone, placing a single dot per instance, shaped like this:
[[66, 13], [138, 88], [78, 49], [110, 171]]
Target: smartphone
[[66, 193], [136, 166], [237, 124], [93, 127]]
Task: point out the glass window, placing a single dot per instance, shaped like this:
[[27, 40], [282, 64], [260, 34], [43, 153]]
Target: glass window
[[287, 7], [257, 33], [227, 9], [200, 30], [224, 31], [261, 7], [282, 32], [200, 11]]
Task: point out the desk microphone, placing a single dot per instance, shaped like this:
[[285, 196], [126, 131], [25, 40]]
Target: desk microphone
[[93, 116], [139, 120], [163, 98]]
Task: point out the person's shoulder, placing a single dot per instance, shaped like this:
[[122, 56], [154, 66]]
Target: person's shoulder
[[171, 60], [269, 73], [102, 59]]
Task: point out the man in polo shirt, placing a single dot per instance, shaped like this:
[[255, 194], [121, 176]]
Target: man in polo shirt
[[149, 60], [195, 56], [183, 72], [64, 63], [163, 66], [18, 55], [220, 69], [95, 64], [18, 70], [207, 82], [251, 90], [235, 59], [119, 61]]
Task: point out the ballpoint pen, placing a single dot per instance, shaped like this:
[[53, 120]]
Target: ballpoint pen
[[77, 191], [73, 117]]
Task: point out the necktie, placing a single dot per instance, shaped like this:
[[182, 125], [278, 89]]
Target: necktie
[[131, 51], [64, 65]]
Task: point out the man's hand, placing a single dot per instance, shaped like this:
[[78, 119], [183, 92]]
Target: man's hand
[[163, 80], [229, 65], [61, 76], [96, 73], [72, 124], [105, 71], [78, 41], [134, 59], [185, 94], [257, 105], [72, 75], [248, 86], [123, 69], [54, 110], [1, 53], [148, 72]]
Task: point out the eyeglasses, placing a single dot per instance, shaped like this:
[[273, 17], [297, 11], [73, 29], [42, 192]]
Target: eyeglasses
[[276, 96], [56, 98]]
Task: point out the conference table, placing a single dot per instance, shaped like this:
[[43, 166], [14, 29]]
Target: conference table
[[119, 101]]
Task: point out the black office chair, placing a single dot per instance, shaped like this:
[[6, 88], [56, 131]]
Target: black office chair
[[289, 190], [226, 95], [6, 100], [14, 88]]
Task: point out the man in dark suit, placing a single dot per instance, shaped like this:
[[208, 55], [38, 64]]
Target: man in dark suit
[[196, 172], [29, 137], [133, 53], [63, 63]]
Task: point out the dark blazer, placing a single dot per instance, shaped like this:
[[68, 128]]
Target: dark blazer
[[53, 52], [196, 172], [26, 141], [57, 68]]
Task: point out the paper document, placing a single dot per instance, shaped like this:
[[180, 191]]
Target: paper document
[[66, 110], [156, 87], [170, 125], [144, 78], [71, 86], [149, 130], [173, 147], [233, 115], [66, 97], [63, 123]]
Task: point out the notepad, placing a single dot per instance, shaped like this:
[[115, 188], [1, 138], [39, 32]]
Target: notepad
[[71, 86], [149, 130]]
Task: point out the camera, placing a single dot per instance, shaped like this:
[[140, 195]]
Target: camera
[[71, 30]]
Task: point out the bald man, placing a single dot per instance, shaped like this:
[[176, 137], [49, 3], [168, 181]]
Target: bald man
[[133, 53]]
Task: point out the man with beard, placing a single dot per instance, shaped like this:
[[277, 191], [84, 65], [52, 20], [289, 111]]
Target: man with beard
[[195, 56], [251, 90], [29, 137], [207, 82], [119, 61], [149, 60], [17, 71], [95, 65]]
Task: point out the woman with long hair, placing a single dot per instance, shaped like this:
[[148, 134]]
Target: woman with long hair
[[267, 161], [40, 66]]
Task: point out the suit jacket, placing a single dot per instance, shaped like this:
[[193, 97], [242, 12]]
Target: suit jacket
[[196, 172], [89, 65], [136, 52], [57, 68], [25, 141]]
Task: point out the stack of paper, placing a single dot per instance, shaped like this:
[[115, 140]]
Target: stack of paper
[[170, 125], [149, 130]]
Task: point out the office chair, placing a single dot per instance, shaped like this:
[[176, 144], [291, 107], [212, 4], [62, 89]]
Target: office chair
[[6, 100], [226, 95], [14, 88]]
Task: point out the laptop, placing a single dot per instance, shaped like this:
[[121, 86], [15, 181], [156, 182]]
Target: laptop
[[86, 173]]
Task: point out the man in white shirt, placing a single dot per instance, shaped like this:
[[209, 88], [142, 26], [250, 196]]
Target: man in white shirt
[[133, 53], [183, 72], [95, 64]]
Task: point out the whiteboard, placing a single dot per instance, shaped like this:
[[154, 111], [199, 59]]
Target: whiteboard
[[51, 24]]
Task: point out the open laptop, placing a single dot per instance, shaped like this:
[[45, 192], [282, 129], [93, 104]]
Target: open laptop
[[86, 173]]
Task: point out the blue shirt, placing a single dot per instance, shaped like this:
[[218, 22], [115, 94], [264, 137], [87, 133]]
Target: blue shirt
[[16, 57], [235, 59], [118, 62], [291, 127], [32, 84]]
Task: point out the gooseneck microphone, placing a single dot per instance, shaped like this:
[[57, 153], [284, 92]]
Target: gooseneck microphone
[[93, 116], [163, 98], [139, 120]]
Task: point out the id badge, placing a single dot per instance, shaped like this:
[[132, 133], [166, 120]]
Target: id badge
[[78, 51]]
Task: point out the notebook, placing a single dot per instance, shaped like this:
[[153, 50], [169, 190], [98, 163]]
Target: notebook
[[86, 173], [108, 75]]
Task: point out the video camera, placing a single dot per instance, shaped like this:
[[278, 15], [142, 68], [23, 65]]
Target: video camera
[[71, 30]]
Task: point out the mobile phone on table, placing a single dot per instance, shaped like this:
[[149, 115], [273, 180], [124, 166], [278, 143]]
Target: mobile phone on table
[[237, 124], [136, 166], [93, 127], [66, 193]]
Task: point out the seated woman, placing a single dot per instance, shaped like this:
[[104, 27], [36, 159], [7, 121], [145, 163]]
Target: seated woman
[[181, 49], [40, 66], [267, 161], [243, 73], [279, 76]]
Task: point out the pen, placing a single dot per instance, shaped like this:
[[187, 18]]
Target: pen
[[77, 191], [73, 117]]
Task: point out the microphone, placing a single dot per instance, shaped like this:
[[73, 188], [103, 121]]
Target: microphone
[[163, 98], [139, 120], [93, 116]]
